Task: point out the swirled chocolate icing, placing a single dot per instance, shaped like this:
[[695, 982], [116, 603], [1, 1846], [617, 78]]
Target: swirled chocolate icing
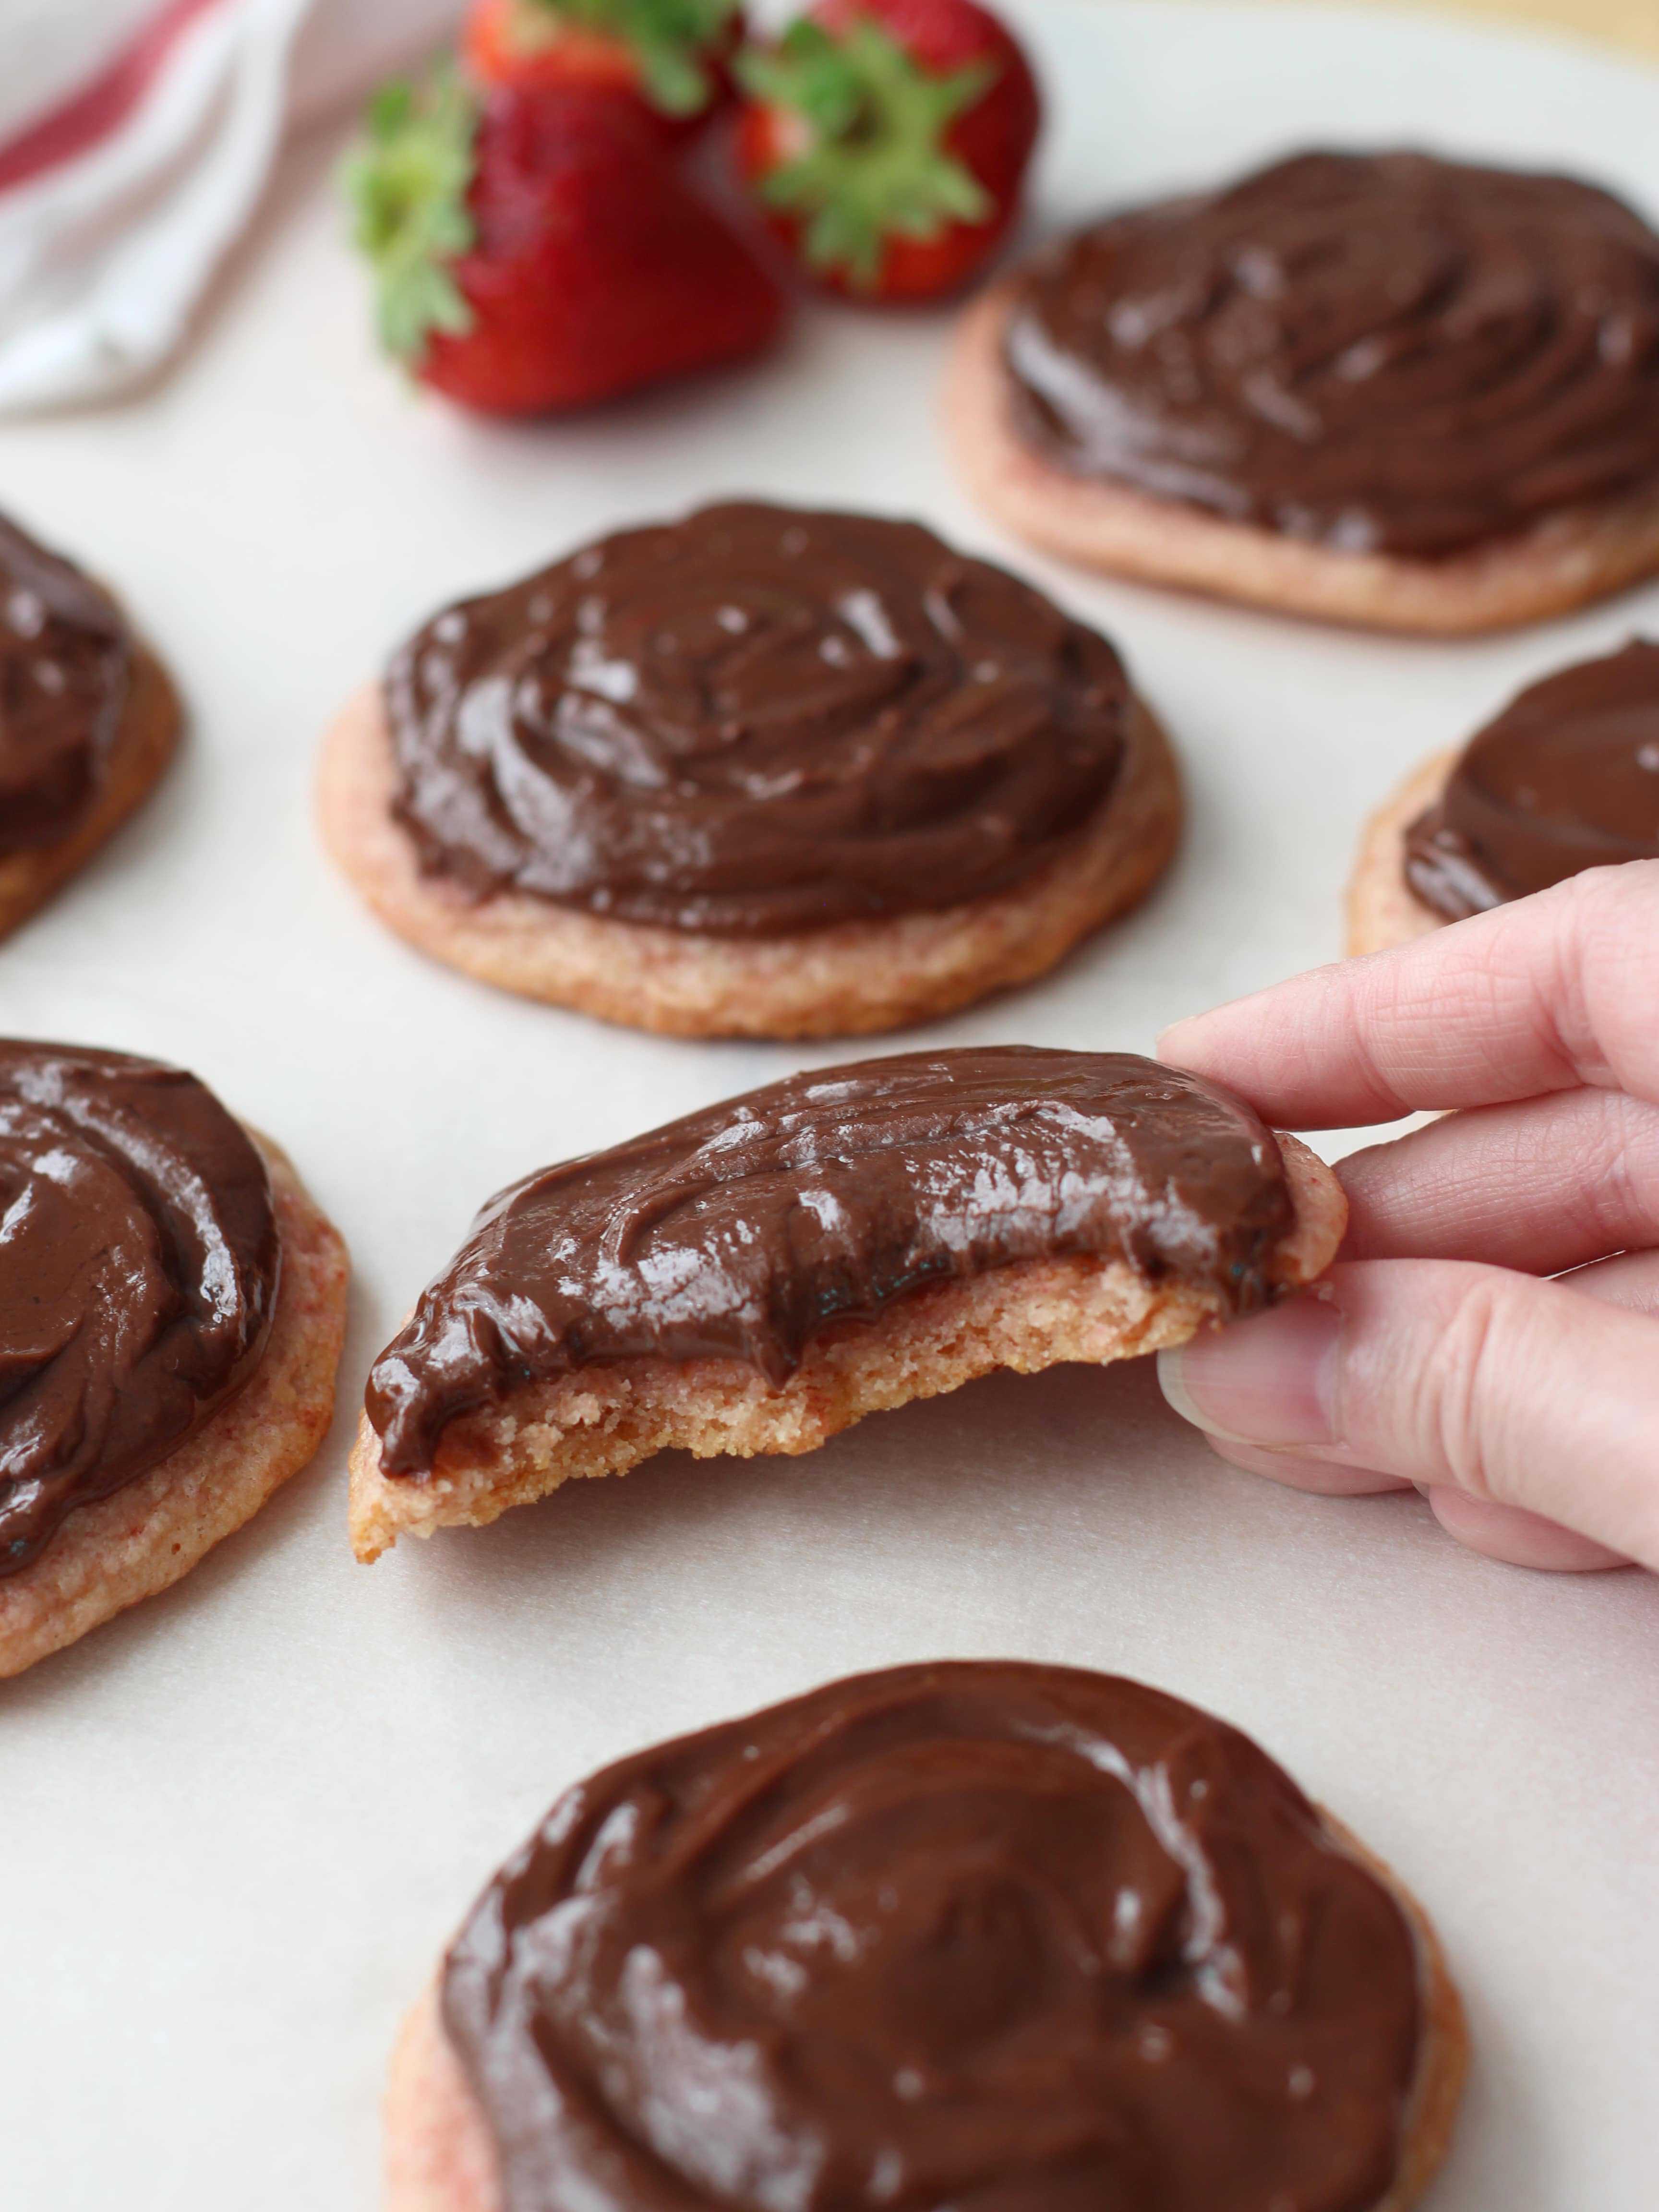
[[999, 1937], [1376, 352], [753, 722], [743, 1231], [1566, 778], [65, 662], [138, 1275]]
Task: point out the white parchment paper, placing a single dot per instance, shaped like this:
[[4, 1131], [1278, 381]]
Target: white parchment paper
[[236, 1827]]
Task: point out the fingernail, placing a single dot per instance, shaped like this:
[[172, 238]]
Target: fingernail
[[1269, 1380]]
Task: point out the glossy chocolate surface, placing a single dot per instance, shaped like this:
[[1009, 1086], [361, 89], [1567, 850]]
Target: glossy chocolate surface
[[1375, 352], [753, 722], [1566, 778], [138, 1275], [996, 1937], [746, 1230], [65, 662]]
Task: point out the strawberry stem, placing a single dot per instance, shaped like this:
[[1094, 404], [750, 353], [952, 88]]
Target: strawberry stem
[[408, 181], [670, 41], [876, 166]]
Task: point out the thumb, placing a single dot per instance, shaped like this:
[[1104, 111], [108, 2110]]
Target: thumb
[[1509, 1390]]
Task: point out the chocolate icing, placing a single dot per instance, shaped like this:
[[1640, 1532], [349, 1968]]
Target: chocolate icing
[[746, 1230], [66, 663], [753, 722], [138, 1275], [1376, 352], [1566, 777], [997, 1938]]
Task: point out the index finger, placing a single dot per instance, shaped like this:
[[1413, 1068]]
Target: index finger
[[1552, 991]]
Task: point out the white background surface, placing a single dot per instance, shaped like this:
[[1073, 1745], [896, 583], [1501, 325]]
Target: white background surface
[[236, 1827]]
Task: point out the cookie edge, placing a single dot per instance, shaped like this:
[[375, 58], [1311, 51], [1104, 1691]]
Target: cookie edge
[[1567, 560], [854, 979], [149, 1535], [1383, 910], [146, 739]]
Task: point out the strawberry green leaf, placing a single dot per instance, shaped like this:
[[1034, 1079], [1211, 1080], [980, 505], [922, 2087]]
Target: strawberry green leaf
[[407, 182], [875, 165], [670, 41]]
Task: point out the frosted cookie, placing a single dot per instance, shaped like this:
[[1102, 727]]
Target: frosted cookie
[[89, 719], [756, 773], [759, 1275], [172, 1305], [1566, 778], [1381, 389], [972, 1933]]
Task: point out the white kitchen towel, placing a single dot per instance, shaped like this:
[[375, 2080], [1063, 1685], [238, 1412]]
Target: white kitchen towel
[[135, 136]]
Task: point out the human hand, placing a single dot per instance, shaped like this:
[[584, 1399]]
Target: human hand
[[1435, 1352]]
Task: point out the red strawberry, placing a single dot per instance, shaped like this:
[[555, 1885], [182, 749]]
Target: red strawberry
[[672, 55], [537, 250], [889, 139]]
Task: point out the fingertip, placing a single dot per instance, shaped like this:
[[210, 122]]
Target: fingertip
[[1171, 1043], [1315, 1477], [1516, 1538], [1261, 1381], [1290, 1463], [1198, 1040]]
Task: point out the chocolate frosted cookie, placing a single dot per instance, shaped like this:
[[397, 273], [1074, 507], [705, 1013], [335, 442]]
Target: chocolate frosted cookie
[[1566, 778], [971, 1934], [758, 772], [756, 1277], [88, 722], [1384, 389], [172, 1305]]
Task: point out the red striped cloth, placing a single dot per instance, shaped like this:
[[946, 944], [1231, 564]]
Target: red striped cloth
[[98, 109], [120, 195]]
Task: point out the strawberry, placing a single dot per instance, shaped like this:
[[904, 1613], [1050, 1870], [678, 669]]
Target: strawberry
[[537, 250], [888, 140], [672, 55]]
